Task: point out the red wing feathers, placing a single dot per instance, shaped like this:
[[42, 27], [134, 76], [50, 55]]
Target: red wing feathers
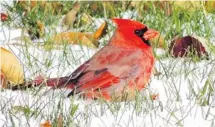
[[94, 80]]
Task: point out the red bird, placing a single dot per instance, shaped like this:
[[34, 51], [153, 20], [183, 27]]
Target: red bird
[[120, 68]]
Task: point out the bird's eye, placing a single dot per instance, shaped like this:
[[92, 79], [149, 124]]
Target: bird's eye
[[139, 33]]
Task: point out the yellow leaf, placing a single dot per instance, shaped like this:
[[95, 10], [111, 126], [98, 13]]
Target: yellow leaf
[[101, 31], [209, 6], [10, 67], [75, 38], [87, 39]]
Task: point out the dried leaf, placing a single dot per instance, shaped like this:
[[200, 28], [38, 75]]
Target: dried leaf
[[70, 17], [87, 39], [209, 6], [186, 46], [11, 67], [46, 124], [101, 31], [74, 38]]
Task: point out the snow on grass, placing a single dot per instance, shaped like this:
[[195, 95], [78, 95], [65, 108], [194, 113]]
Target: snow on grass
[[175, 106], [185, 92]]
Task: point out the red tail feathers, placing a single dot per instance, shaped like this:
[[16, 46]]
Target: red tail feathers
[[51, 82]]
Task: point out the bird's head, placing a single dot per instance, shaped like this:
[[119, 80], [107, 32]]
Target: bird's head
[[132, 33]]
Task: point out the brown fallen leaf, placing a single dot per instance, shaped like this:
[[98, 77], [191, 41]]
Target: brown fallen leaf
[[70, 17], [46, 124], [186, 46], [87, 39], [11, 68]]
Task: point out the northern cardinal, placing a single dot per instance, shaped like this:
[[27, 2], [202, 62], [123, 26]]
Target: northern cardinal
[[122, 67]]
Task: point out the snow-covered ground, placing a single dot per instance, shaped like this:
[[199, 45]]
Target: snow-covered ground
[[179, 86], [185, 92]]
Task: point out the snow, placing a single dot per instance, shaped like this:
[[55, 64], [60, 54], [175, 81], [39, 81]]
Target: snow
[[176, 104], [166, 111]]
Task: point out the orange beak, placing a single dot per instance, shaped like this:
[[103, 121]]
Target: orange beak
[[150, 34]]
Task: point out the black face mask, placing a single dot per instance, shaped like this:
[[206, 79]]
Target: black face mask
[[140, 33]]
